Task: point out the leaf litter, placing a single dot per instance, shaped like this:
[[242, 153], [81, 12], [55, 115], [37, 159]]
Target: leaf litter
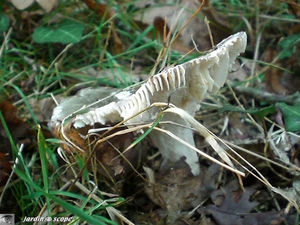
[[232, 206]]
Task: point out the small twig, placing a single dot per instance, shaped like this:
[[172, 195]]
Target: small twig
[[209, 32], [290, 169], [256, 51], [268, 96], [250, 29], [284, 19], [248, 114], [58, 56], [5, 41], [125, 158], [106, 41], [189, 21]]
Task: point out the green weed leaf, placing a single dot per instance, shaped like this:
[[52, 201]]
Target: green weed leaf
[[260, 112], [65, 32], [288, 45], [291, 116], [4, 22]]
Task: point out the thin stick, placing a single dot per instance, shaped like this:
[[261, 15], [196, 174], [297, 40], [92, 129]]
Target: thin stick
[[189, 21], [248, 114], [4, 41], [268, 96], [209, 32]]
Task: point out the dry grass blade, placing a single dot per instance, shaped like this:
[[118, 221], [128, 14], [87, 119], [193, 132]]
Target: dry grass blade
[[189, 20], [6, 38], [291, 169], [287, 195], [111, 210], [198, 151], [203, 131]]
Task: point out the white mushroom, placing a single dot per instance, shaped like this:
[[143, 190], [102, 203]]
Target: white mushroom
[[187, 84]]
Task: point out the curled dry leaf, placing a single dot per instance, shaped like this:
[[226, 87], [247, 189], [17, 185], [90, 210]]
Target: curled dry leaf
[[185, 85], [171, 17], [175, 191], [233, 207]]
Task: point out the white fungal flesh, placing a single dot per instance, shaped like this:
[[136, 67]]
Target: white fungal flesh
[[188, 82]]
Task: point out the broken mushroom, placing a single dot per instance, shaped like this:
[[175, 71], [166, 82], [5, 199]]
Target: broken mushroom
[[184, 85]]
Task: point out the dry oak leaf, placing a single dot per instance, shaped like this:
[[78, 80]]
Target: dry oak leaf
[[175, 190], [233, 206]]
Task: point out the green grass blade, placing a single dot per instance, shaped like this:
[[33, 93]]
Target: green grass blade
[[148, 131], [67, 194], [42, 146], [10, 138], [140, 37], [15, 151], [72, 209], [42, 150], [20, 92]]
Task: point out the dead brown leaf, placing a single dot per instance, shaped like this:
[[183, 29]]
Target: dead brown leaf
[[233, 207], [295, 7], [20, 131], [110, 163], [175, 190], [164, 34], [5, 167], [173, 17], [101, 9], [274, 75], [104, 11]]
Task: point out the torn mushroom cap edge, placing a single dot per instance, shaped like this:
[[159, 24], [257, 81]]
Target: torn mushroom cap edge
[[211, 71]]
